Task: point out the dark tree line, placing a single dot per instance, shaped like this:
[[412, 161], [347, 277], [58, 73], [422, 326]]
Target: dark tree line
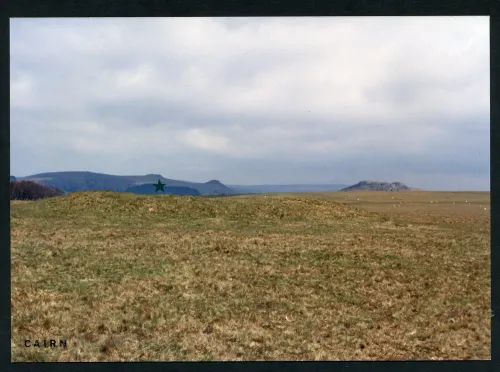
[[29, 190]]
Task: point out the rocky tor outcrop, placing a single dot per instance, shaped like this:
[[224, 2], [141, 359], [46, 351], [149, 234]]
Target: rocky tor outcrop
[[377, 186]]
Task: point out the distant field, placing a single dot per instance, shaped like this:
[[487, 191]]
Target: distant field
[[313, 276], [469, 209]]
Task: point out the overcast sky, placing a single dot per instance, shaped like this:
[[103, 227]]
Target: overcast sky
[[254, 100]]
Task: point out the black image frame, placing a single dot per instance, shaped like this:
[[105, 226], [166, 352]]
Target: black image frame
[[228, 8]]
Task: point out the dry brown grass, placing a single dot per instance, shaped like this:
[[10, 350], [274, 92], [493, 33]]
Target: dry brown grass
[[123, 277]]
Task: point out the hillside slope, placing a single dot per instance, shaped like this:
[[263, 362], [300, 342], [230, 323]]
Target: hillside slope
[[170, 190], [86, 181]]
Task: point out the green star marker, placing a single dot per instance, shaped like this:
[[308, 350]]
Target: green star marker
[[159, 186]]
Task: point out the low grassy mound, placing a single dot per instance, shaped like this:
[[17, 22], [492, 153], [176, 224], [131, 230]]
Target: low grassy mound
[[288, 208]]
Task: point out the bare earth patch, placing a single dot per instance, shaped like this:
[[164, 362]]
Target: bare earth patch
[[320, 276]]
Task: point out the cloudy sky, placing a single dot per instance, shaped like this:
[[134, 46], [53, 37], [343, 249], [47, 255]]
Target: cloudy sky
[[254, 100]]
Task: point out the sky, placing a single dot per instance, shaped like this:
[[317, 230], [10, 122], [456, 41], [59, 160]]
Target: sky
[[261, 100]]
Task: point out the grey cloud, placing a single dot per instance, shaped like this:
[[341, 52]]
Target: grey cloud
[[289, 100]]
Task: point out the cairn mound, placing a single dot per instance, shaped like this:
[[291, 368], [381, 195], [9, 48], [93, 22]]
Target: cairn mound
[[195, 207]]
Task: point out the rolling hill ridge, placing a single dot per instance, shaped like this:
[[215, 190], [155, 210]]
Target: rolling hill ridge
[[86, 181]]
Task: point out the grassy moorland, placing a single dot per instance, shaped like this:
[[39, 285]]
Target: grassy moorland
[[323, 276]]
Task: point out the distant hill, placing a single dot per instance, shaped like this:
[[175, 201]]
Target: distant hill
[[257, 189], [171, 190], [12, 178], [377, 186], [84, 181], [29, 190]]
